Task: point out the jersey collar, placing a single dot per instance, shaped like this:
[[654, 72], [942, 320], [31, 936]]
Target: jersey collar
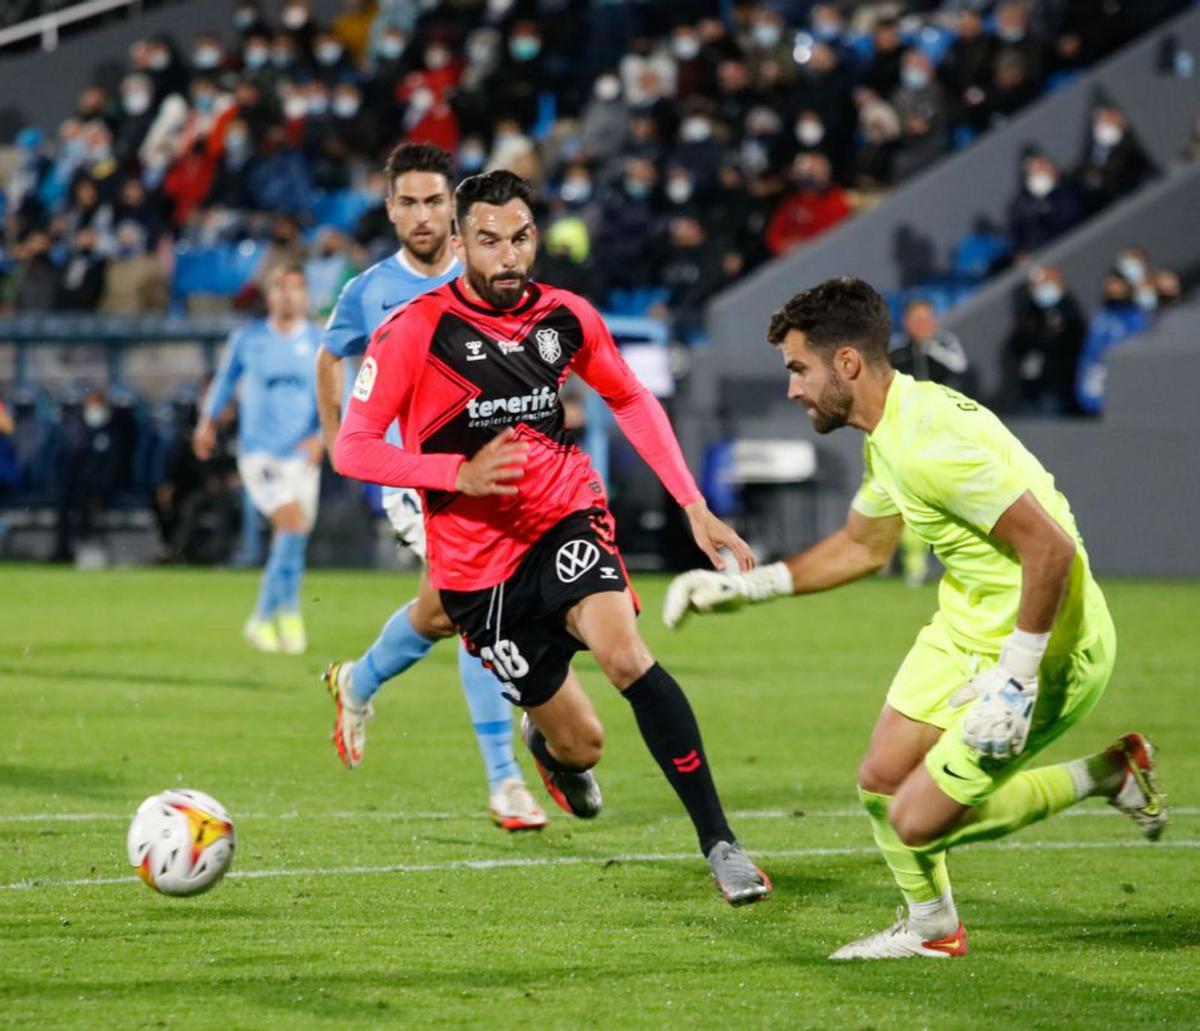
[[891, 404], [404, 263]]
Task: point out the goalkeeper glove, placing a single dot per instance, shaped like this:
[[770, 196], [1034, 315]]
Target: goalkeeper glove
[[997, 724], [704, 590]]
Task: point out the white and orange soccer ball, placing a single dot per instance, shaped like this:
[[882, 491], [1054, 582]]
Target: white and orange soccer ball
[[181, 842]]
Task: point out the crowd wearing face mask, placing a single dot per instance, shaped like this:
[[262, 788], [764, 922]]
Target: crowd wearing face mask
[[674, 146], [1055, 360]]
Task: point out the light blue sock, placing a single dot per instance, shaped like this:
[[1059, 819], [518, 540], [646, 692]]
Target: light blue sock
[[396, 648], [290, 548], [270, 585], [491, 715]]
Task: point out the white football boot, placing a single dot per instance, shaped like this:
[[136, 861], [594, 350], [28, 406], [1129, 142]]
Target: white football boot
[[350, 721], [901, 942], [513, 808]]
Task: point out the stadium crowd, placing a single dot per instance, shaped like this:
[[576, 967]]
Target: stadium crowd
[[674, 147], [673, 150]]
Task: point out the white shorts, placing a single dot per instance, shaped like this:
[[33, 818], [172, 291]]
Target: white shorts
[[274, 482], [403, 508]]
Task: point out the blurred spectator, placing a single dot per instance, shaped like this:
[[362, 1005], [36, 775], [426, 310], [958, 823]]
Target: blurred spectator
[[135, 282], [1168, 286], [6, 421], [565, 259], [1046, 206], [927, 352], [86, 473], [882, 75], [285, 248], [327, 270], [967, 69], [921, 107], [1114, 163], [815, 205], [693, 272], [35, 280], [605, 121], [82, 280], [1119, 318], [627, 250], [353, 27], [879, 127], [1045, 345]]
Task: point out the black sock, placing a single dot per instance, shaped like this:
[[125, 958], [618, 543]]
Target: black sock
[[541, 752], [669, 729]]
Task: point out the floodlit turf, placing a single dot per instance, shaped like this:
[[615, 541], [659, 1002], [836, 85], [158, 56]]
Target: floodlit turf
[[360, 898]]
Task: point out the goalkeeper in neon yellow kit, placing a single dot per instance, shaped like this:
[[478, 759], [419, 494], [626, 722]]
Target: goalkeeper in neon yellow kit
[[1022, 644]]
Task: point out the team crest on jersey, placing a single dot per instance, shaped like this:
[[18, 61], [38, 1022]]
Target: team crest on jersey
[[364, 382], [574, 559], [548, 346]]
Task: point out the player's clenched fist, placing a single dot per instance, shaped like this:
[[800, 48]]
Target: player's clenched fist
[[493, 467], [705, 591]]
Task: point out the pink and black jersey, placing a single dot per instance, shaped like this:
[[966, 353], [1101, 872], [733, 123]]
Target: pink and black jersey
[[455, 373]]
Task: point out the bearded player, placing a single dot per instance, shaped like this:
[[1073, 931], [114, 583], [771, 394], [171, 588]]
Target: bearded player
[[419, 204], [1020, 649], [521, 544]]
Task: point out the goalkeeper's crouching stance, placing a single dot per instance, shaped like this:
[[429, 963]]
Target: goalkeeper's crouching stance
[[1022, 644]]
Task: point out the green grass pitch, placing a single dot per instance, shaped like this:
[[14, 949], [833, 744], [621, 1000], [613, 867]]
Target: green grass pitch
[[359, 899]]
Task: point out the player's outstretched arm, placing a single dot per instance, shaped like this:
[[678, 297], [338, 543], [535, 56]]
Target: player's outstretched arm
[[1004, 696], [862, 546], [331, 388]]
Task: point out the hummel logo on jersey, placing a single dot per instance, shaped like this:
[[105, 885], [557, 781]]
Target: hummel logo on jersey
[[574, 559], [608, 573], [475, 351], [510, 346], [538, 402], [548, 346]]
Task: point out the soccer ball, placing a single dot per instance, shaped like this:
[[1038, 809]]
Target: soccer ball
[[181, 842]]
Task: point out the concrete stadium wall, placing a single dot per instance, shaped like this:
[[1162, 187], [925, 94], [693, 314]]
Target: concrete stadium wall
[[42, 89]]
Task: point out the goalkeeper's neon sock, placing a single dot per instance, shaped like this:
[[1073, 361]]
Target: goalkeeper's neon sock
[[903, 941], [922, 877], [397, 647]]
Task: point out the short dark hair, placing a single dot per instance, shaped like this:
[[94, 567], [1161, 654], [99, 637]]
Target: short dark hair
[[498, 187], [842, 312], [418, 157]]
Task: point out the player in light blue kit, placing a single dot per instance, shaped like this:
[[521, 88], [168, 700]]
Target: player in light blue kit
[[419, 205], [279, 446]]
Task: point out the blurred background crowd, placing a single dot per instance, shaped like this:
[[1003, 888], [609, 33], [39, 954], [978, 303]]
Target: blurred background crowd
[[674, 146]]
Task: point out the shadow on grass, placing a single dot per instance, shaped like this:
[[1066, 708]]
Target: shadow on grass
[[157, 679], [91, 782]]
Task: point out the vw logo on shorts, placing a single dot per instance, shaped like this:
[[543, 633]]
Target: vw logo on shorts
[[574, 559]]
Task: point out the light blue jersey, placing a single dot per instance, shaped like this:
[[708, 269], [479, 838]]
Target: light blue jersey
[[278, 403], [368, 299], [371, 296]]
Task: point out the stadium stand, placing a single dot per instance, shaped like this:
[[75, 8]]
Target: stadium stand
[[676, 149]]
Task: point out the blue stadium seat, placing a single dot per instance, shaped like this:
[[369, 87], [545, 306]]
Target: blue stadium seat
[[977, 255], [340, 208]]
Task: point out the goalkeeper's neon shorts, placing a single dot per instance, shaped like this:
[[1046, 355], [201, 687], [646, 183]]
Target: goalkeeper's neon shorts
[[1068, 686]]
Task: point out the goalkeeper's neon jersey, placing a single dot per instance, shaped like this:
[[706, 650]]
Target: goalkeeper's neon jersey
[[950, 469]]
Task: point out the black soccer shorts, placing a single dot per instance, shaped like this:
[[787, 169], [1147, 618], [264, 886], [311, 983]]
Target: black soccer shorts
[[518, 627]]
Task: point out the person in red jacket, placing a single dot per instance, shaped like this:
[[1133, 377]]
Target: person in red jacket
[[817, 204], [521, 545]]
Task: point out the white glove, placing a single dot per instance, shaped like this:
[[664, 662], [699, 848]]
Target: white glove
[[704, 590], [997, 724]]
